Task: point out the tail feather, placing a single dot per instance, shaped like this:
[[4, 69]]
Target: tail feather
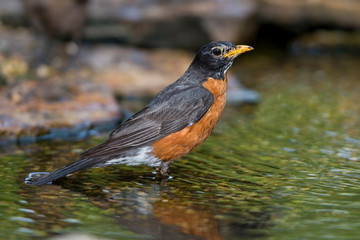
[[73, 167]]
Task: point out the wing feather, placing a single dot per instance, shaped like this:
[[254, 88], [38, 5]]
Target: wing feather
[[156, 121]]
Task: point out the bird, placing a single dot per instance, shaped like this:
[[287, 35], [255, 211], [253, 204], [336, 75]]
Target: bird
[[177, 120]]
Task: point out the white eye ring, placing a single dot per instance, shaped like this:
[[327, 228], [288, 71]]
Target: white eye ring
[[217, 51]]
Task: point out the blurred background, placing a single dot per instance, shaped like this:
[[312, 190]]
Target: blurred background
[[282, 163], [55, 53]]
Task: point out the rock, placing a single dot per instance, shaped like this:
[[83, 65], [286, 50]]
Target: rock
[[34, 108], [57, 19], [238, 94], [185, 24], [190, 23], [11, 12], [156, 23], [322, 42], [305, 13], [16, 40], [131, 71]]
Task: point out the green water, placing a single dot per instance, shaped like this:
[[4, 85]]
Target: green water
[[288, 168]]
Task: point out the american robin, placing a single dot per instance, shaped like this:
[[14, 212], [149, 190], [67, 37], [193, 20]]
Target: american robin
[[177, 120]]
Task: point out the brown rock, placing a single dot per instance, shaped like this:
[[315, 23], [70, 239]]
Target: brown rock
[[187, 24], [57, 19], [131, 71], [325, 42], [35, 108], [345, 13], [191, 23]]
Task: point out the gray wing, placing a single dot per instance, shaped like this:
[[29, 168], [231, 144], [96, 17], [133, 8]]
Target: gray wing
[[157, 120]]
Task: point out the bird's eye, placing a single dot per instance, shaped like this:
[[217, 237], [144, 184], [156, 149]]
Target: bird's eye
[[217, 51]]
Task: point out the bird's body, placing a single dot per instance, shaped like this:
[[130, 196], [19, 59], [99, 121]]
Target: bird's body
[[182, 142], [176, 121]]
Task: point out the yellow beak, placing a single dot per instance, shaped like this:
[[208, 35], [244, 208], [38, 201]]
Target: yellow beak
[[238, 50]]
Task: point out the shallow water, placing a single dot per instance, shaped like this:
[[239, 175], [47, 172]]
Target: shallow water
[[288, 168]]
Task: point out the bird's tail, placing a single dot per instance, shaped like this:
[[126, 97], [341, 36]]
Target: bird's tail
[[73, 167]]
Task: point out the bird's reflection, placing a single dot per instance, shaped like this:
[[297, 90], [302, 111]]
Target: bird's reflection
[[149, 209]]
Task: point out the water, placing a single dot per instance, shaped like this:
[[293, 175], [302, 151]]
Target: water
[[288, 168]]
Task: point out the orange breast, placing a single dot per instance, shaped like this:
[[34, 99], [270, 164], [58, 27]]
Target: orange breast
[[180, 143]]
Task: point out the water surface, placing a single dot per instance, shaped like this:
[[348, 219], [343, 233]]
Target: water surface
[[288, 168]]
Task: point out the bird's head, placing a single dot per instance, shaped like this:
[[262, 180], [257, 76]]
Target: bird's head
[[216, 58]]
